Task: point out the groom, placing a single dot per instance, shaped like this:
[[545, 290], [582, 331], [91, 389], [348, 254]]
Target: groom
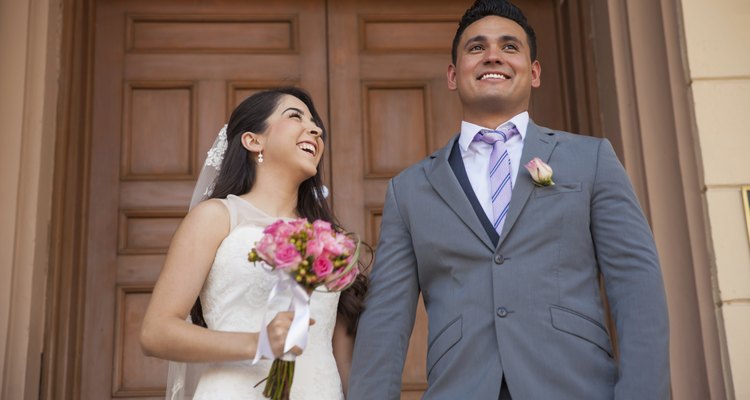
[[509, 270]]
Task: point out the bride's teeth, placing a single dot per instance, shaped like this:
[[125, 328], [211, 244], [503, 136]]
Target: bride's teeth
[[307, 147]]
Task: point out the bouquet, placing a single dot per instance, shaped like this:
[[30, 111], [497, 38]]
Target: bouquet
[[305, 255]]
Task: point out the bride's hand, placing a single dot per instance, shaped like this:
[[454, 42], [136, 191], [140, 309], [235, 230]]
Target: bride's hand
[[278, 330]]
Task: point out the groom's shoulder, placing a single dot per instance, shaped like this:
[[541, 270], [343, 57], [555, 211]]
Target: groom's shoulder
[[417, 172], [572, 140]]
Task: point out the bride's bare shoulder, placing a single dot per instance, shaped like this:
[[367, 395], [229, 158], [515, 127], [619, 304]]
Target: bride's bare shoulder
[[211, 215], [211, 207]]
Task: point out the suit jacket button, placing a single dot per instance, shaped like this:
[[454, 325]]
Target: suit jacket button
[[502, 312], [499, 259]]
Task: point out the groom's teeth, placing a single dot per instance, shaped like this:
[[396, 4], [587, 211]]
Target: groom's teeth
[[493, 76]]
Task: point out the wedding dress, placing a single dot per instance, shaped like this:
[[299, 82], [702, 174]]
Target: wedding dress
[[234, 299]]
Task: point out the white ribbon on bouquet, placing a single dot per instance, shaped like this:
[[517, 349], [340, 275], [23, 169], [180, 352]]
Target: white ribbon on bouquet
[[298, 331]]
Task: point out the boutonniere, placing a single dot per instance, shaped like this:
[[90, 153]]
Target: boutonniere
[[541, 173]]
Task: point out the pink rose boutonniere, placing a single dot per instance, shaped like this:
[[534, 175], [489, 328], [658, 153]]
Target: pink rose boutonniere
[[541, 172]]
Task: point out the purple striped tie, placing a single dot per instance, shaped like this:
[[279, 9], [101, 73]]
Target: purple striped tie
[[500, 182]]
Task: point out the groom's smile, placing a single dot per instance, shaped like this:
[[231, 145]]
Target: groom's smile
[[493, 76]]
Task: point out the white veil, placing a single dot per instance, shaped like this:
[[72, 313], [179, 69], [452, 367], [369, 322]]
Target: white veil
[[182, 378], [211, 167]]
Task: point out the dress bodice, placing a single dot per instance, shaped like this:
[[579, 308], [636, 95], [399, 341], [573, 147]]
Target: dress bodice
[[234, 299]]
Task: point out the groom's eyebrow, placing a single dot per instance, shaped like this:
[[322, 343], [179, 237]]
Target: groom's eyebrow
[[475, 39], [485, 39]]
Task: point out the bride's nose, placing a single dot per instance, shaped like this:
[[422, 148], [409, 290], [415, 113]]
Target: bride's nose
[[315, 131]]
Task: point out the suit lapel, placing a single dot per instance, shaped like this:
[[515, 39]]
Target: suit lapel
[[441, 177], [537, 143], [459, 169]]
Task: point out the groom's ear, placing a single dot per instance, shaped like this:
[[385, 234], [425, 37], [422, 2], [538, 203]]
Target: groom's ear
[[251, 142], [451, 77]]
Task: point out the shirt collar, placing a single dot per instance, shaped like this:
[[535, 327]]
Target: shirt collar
[[469, 130]]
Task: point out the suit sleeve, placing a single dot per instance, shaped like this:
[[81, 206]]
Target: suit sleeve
[[627, 257], [388, 319]]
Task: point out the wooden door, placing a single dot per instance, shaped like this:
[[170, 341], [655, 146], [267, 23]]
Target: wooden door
[[167, 74]]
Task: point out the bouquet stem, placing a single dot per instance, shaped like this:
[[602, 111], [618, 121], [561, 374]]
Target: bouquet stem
[[279, 383]]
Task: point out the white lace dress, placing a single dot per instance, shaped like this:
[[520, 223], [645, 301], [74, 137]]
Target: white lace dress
[[234, 299]]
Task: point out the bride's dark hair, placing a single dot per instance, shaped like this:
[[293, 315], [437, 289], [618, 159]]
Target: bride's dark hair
[[237, 176]]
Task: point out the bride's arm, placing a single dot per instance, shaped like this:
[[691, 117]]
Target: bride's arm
[[343, 348], [165, 333]]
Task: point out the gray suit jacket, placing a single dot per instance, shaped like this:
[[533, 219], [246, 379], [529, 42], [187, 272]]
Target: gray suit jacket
[[528, 308]]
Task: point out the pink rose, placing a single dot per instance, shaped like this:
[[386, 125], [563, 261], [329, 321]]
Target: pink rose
[[314, 248], [266, 247], [322, 267], [346, 243], [281, 240], [344, 281], [320, 226], [298, 225], [286, 257], [273, 228], [279, 232], [330, 244], [540, 172]]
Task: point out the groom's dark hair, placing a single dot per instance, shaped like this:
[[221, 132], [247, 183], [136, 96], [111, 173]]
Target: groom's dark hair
[[500, 8]]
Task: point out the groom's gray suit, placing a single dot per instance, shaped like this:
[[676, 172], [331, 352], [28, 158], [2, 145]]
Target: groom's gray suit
[[525, 306]]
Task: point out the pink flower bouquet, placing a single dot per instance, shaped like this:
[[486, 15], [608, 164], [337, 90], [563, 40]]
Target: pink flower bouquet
[[311, 254]]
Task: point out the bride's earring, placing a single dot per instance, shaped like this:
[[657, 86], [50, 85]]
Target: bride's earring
[[260, 153]]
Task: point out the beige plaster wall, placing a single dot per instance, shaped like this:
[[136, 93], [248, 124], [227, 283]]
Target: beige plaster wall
[[29, 44], [13, 17], [717, 36]]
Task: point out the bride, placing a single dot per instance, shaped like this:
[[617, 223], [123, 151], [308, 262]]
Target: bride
[[264, 166]]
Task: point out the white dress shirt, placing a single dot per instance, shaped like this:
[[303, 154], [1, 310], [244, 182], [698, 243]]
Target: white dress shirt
[[476, 156]]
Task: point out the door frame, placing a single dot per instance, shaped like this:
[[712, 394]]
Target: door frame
[[64, 311], [644, 133]]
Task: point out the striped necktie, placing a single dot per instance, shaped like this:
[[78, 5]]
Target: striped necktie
[[499, 172]]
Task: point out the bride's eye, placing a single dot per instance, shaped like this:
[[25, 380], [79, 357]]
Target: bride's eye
[[295, 114]]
